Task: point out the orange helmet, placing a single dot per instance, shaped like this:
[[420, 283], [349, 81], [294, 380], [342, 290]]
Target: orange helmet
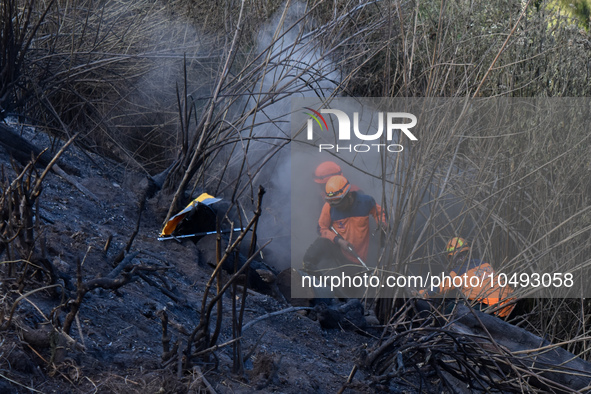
[[326, 170], [337, 188], [456, 245]]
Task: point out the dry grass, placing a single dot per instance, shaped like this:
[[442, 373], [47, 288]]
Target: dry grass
[[518, 192]]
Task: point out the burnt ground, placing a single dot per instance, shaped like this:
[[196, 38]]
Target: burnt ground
[[121, 330]]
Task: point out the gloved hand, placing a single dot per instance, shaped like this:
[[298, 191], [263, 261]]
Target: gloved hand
[[346, 246], [424, 293], [417, 293], [308, 267]]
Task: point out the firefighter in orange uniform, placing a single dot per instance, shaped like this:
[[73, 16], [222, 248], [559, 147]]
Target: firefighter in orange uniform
[[486, 294], [344, 230], [325, 171]]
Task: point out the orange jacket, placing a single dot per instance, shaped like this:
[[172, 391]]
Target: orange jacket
[[352, 224], [486, 293], [354, 188]]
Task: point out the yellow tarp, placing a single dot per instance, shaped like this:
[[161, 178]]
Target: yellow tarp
[[170, 226]]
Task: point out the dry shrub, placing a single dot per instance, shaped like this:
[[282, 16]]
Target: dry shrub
[[525, 187], [130, 56], [444, 49], [515, 186], [110, 69]]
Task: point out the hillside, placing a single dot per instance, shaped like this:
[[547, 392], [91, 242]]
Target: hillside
[[118, 333]]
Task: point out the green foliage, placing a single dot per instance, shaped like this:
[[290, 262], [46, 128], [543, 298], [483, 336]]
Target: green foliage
[[445, 49], [576, 9]]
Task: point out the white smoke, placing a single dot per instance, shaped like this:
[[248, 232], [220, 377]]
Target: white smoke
[[296, 67]]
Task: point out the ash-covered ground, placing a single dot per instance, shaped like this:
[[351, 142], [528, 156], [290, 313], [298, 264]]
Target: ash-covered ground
[[118, 333]]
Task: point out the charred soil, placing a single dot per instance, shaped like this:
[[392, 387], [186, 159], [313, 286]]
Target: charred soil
[[92, 302], [116, 342]]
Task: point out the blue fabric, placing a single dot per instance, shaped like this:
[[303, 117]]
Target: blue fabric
[[361, 207], [466, 266]]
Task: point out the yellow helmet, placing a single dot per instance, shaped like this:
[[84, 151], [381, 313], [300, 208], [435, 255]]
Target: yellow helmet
[[456, 245], [337, 188]]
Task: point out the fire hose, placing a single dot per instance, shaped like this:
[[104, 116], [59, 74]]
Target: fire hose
[[351, 250], [177, 237]]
